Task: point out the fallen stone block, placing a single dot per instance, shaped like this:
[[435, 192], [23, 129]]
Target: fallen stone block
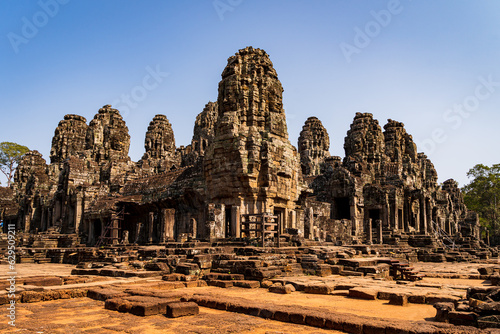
[[94, 272], [442, 311], [188, 269], [416, 299], [247, 284], [462, 318], [105, 293], [118, 304], [221, 284], [439, 298], [157, 266], [363, 293], [398, 299], [350, 273], [182, 309], [486, 271], [286, 289], [145, 305], [320, 289], [43, 281]]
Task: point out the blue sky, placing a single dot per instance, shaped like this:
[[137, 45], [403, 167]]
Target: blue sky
[[433, 65]]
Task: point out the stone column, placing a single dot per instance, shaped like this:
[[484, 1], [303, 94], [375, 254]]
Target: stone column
[[406, 215], [114, 230], [27, 222], [43, 220], [138, 229], [310, 222], [236, 221], [163, 231], [423, 216], [286, 223], [150, 227], [169, 223], [379, 231], [192, 228], [78, 213], [369, 237], [293, 216]]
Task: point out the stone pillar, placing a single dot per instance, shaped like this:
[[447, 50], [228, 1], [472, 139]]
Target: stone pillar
[[236, 221], [192, 228], [395, 216], [285, 218], [379, 232], [138, 229], [170, 224], [162, 231], [43, 220], [114, 230], [78, 213], [150, 227], [406, 215], [310, 222], [423, 216], [49, 217], [369, 237], [27, 222], [57, 212], [293, 216]]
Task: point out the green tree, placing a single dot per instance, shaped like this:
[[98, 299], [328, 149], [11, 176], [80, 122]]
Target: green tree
[[10, 155], [482, 195]]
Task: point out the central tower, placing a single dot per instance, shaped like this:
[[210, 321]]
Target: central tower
[[251, 164]]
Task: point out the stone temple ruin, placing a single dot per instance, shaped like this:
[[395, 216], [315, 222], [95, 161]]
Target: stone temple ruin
[[241, 206], [240, 178]]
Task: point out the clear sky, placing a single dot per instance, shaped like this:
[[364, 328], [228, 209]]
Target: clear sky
[[433, 65]]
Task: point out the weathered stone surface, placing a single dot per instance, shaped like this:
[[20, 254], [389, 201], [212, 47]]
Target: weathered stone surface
[[313, 145], [69, 138], [107, 137], [363, 293], [240, 177], [160, 147], [182, 309], [251, 151], [203, 134]]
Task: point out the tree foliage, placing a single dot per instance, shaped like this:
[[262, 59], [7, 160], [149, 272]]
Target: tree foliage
[[10, 155], [482, 195]]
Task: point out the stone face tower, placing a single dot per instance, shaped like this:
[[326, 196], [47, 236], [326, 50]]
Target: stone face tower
[[160, 147], [69, 138], [314, 144], [107, 136], [251, 163]]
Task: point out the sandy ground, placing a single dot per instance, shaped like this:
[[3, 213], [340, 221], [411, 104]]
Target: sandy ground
[[85, 315], [31, 269]]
